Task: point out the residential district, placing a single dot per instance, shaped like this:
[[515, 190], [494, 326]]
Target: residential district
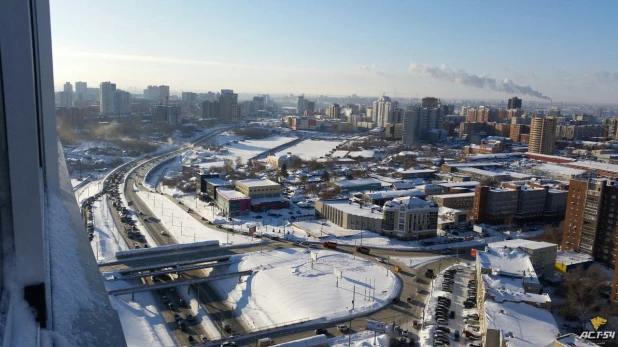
[[296, 220]]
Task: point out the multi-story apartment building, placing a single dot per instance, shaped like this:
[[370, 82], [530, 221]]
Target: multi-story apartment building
[[517, 203], [514, 103], [591, 222], [542, 135], [229, 112], [106, 90], [410, 218], [210, 109], [517, 130]]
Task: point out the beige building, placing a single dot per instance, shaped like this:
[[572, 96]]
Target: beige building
[[542, 135], [459, 201], [259, 188], [349, 215], [288, 159]]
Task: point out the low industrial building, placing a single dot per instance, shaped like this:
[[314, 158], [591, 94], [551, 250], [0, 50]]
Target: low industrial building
[[380, 198], [542, 254], [349, 215], [422, 173], [365, 184], [410, 218], [259, 188], [450, 218], [512, 308], [569, 260], [212, 184], [432, 189], [232, 202], [457, 201]]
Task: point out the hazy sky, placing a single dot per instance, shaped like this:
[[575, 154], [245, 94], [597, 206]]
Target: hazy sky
[[565, 50]]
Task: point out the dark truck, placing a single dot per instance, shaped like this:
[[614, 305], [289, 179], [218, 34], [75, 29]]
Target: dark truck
[[362, 249], [330, 244]]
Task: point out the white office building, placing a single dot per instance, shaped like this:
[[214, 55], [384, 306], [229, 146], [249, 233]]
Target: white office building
[[410, 218]]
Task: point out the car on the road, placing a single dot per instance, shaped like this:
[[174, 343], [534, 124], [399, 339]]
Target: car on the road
[[191, 340], [177, 317], [189, 317], [170, 306], [321, 331], [183, 303], [419, 290], [165, 299], [164, 233], [258, 217], [228, 344], [343, 327], [404, 332], [380, 260]]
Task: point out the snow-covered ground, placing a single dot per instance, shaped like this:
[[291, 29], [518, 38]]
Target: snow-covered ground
[[141, 321], [184, 228], [287, 287], [310, 149], [308, 229], [247, 149], [107, 239], [362, 339], [418, 262]]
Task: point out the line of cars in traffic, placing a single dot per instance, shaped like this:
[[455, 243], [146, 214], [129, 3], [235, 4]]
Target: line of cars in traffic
[[111, 188], [183, 323]]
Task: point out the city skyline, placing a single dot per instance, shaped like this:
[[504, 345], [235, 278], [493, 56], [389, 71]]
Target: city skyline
[[277, 47]]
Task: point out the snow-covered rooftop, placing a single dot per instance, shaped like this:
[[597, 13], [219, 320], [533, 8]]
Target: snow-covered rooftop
[[572, 257], [460, 184], [257, 183], [356, 183], [354, 209], [529, 244], [395, 194], [507, 261], [522, 325], [231, 194], [511, 289], [560, 169], [460, 195], [573, 340]]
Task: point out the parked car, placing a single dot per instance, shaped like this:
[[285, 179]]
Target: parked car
[[321, 331], [343, 327]]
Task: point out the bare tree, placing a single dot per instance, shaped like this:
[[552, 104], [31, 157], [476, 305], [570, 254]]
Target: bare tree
[[551, 234], [583, 292], [228, 166], [238, 161]]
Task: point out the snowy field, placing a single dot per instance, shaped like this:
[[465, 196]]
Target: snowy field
[[310, 149], [184, 228], [287, 287], [247, 149], [362, 339], [141, 321], [107, 240]]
